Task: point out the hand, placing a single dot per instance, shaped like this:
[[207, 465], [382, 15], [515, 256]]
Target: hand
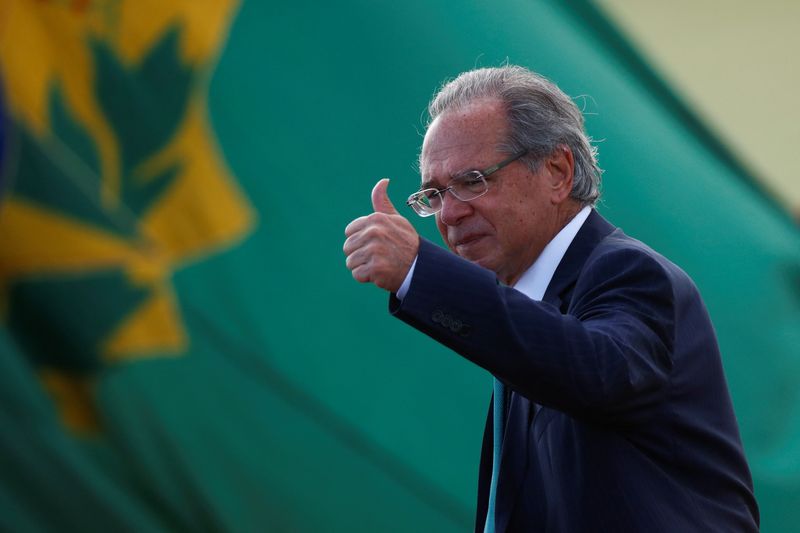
[[381, 247]]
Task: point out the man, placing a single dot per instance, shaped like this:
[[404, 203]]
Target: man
[[611, 411]]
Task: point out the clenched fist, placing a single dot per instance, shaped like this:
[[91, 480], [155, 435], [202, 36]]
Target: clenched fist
[[380, 247]]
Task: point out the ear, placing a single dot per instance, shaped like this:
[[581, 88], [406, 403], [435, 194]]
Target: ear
[[561, 166]]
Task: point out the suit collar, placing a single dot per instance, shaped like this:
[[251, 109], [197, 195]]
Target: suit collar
[[594, 230]]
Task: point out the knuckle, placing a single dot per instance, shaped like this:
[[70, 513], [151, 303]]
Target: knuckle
[[350, 245], [351, 228], [354, 226], [362, 274], [373, 232]]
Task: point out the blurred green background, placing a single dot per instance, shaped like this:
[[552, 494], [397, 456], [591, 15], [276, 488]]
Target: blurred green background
[[183, 347]]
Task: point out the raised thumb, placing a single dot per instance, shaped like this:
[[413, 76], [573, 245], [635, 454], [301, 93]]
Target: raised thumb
[[380, 198]]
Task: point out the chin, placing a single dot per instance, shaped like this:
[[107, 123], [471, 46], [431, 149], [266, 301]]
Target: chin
[[481, 260]]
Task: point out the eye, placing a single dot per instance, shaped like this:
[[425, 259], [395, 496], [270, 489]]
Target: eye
[[429, 197], [431, 193], [470, 183]]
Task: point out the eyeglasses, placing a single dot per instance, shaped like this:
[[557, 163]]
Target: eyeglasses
[[464, 187]]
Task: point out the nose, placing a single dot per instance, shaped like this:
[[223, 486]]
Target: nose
[[453, 210]]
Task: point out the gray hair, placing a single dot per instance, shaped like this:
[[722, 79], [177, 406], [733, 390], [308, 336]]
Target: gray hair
[[541, 118]]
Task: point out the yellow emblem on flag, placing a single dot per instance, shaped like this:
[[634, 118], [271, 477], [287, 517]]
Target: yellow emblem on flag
[[114, 178]]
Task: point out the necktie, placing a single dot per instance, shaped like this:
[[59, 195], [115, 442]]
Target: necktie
[[499, 416]]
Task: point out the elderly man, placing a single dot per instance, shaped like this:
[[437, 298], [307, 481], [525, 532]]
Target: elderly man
[[610, 409]]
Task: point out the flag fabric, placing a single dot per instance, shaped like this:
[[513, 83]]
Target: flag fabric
[[3, 134], [181, 345]]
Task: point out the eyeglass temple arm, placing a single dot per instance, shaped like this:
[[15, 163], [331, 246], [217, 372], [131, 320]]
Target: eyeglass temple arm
[[504, 162]]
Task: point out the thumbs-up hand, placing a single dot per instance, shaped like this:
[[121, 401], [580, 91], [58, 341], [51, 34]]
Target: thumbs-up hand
[[381, 247]]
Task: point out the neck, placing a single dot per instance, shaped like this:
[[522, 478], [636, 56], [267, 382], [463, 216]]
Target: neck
[[564, 215], [567, 215]]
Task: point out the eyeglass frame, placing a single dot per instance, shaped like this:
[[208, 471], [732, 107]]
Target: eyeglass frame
[[414, 197]]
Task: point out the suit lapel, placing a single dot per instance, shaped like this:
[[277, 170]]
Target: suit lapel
[[595, 229]]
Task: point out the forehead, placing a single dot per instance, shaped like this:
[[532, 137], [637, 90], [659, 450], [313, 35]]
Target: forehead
[[462, 139]]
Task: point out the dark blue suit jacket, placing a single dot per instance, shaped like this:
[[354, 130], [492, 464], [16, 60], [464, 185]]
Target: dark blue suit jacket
[[619, 416]]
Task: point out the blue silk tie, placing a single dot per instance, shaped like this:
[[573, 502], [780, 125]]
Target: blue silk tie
[[499, 416]]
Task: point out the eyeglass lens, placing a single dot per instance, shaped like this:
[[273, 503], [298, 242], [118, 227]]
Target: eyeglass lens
[[466, 187]]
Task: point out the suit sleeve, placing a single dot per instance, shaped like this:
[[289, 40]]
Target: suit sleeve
[[608, 358]]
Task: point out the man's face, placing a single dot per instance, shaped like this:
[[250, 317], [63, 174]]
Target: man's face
[[506, 229]]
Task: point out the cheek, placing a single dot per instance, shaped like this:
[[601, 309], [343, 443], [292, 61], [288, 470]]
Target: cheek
[[442, 229], [527, 208], [519, 224]]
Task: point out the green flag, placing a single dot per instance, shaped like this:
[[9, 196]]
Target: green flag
[[182, 345]]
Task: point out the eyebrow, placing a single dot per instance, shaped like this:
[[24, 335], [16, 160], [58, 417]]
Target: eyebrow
[[429, 184]]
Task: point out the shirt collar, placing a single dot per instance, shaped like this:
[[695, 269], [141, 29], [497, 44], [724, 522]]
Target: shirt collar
[[535, 280]]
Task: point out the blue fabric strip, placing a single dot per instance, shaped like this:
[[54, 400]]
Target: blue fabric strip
[[499, 416]]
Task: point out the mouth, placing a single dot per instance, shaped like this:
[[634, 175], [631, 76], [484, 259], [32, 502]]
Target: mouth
[[468, 240]]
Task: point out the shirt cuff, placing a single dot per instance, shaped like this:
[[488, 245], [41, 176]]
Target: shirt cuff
[[401, 292]]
